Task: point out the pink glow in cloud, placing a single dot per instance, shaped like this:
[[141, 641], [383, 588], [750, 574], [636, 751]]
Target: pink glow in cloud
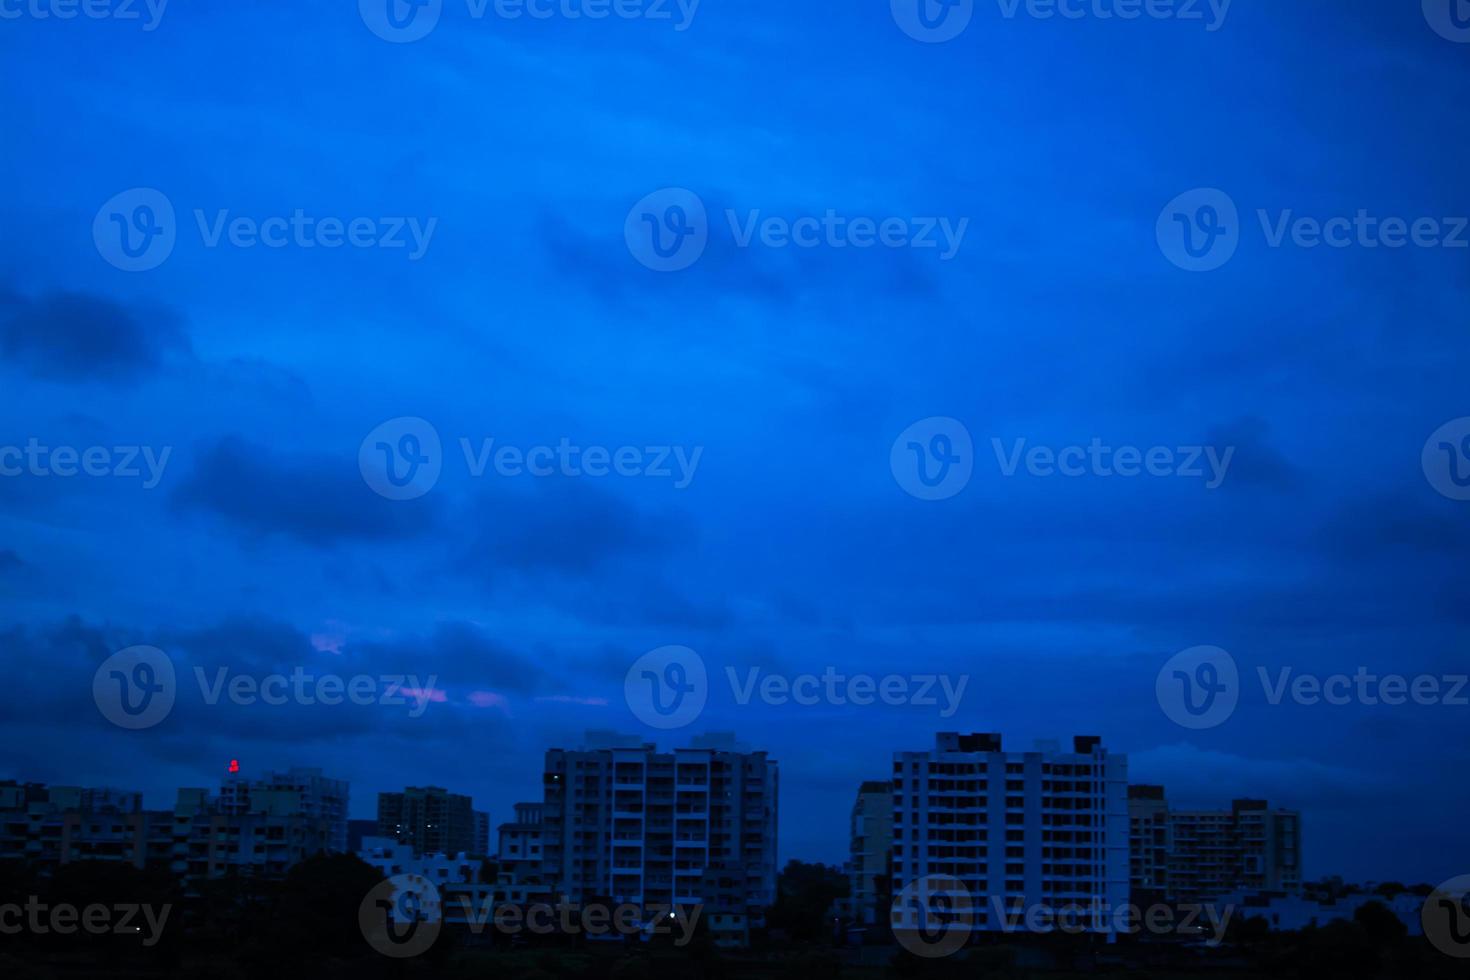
[[571, 699], [489, 699], [327, 642]]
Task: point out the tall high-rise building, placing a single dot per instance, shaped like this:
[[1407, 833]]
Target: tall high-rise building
[[870, 854], [1248, 848], [1019, 830], [429, 819], [627, 823]]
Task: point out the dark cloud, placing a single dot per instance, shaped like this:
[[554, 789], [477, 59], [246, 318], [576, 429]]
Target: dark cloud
[[10, 561], [315, 498], [1256, 462], [77, 336], [563, 527]]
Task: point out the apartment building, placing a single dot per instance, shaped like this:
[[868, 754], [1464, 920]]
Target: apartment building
[[1045, 828], [1248, 848], [432, 820], [520, 839], [624, 822], [870, 855], [1148, 844], [297, 791], [238, 831]]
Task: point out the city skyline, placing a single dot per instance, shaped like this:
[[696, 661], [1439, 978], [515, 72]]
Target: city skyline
[[1086, 375]]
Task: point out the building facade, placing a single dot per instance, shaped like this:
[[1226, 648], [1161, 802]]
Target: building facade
[[432, 820], [624, 822], [255, 828], [870, 855], [1148, 844], [1248, 848], [1045, 828], [520, 839]]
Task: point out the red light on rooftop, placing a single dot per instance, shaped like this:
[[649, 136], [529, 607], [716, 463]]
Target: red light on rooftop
[[234, 765]]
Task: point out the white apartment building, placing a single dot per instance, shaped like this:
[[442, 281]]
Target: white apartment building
[[623, 822], [393, 857], [1020, 830]]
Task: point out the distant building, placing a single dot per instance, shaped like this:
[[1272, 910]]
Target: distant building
[[298, 790], [1148, 844], [258, 828], [520, 840], [1249, 848], [1044, 828], [392, 858], [625, 822], [870, 855], [431, 820], [481, 838]]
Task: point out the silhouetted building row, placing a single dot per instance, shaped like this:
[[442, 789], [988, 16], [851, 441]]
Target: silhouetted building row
[[258, 827]]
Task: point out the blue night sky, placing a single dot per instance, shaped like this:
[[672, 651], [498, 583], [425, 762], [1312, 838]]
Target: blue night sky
[[793, 548]]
